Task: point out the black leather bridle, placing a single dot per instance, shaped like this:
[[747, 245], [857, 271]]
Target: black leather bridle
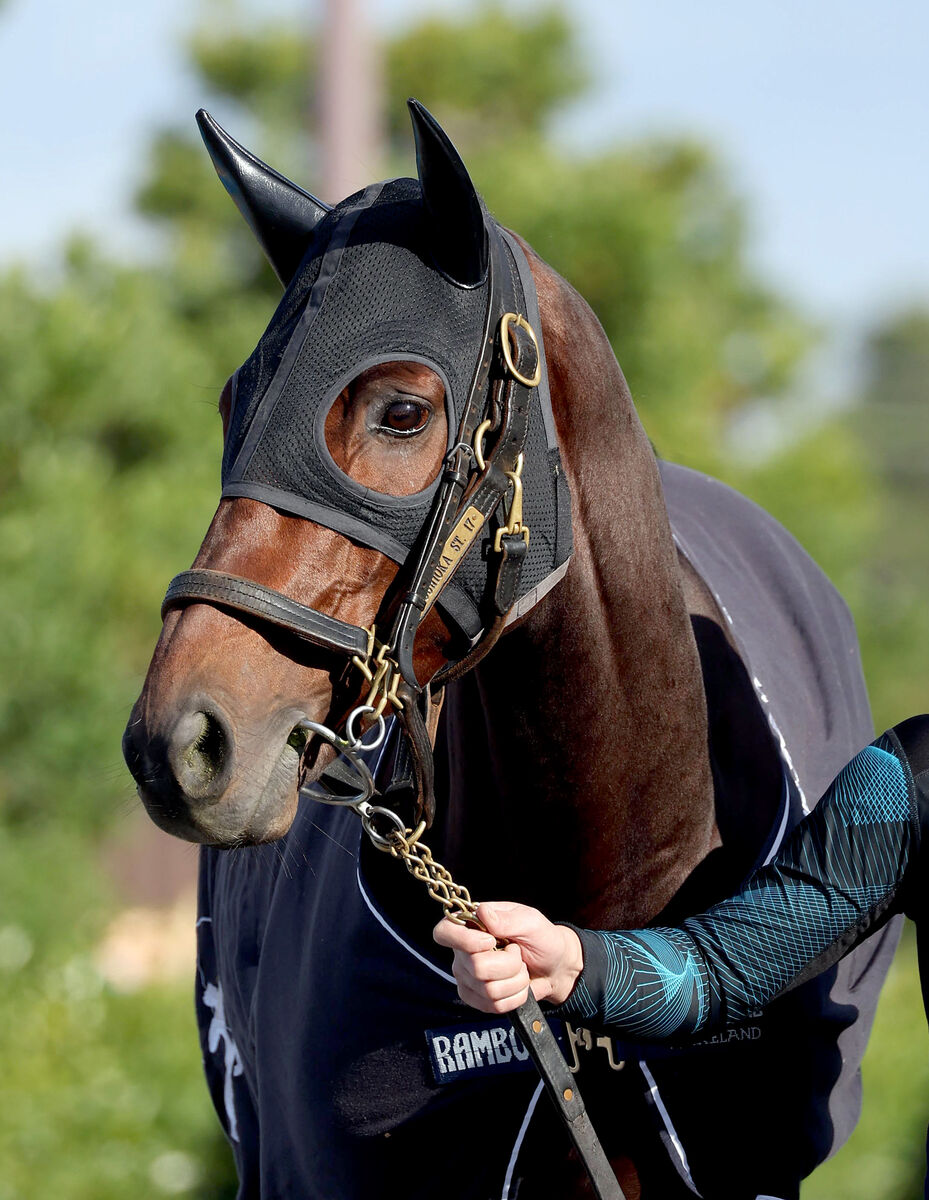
[[482, 468]]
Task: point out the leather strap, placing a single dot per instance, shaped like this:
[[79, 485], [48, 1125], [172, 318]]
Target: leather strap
[[513, 550], [510, 407], [539, 1040], [420, 746], [244, 595]]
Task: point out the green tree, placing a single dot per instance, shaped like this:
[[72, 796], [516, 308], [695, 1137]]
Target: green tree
[[108, 411], [697, 332], [892, 421]]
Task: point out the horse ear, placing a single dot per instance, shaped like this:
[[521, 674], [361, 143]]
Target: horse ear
[[453, 208], [281, 215]]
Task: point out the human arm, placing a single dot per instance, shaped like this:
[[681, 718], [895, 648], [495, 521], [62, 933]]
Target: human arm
[[840, 875]]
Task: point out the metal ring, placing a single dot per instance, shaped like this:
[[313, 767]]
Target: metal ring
[[466, 446], [505, 321], [327, 734], [374, 810], [312, 792], [364, 780], [357, 743]]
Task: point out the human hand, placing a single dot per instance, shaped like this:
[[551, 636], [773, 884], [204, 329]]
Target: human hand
[[540, 953]]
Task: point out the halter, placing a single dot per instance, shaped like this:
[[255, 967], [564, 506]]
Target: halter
[[483, 467]]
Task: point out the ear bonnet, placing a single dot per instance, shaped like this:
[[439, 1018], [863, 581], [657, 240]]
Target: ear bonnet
[[407, 269]]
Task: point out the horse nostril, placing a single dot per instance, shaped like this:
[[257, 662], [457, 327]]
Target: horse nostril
[[298, 739], [200, 755]]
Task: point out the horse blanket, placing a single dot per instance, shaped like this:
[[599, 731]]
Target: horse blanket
[[342, 1063]]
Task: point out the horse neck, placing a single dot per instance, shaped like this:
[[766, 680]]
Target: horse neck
[[579, 777]]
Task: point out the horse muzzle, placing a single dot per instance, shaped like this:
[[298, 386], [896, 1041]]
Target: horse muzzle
[[202, 780]]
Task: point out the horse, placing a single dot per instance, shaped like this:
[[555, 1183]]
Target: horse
[[646, 683]]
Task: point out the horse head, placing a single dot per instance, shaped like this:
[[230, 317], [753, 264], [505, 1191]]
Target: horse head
[[372, 487]]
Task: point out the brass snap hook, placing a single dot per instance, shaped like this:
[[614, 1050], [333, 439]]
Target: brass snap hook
[[514, 525], [478, 446]]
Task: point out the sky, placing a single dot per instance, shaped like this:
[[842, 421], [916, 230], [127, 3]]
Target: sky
[[818, 108]]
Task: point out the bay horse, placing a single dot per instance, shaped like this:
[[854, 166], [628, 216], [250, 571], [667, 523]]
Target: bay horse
[[647, 682]]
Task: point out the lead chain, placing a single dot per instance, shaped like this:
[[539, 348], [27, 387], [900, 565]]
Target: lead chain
[[418, 860]]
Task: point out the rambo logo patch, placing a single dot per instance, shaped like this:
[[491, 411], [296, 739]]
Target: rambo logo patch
[[464, 1051]]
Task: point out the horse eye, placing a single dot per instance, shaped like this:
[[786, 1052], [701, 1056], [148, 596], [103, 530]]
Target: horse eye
[[404, 417]]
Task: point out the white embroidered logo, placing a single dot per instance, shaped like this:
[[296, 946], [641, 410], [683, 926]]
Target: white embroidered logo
[[219, 1032]]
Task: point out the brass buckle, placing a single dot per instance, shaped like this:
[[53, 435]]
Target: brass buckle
[[505, 322], [514, 525]]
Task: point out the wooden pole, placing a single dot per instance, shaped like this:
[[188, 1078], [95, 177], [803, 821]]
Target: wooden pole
[[348, 99]]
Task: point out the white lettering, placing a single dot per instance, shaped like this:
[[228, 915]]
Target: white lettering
[[217, 1033], [461, 1048], [518, 1048], [481, 1044], [502, 1051], [440, 1048]]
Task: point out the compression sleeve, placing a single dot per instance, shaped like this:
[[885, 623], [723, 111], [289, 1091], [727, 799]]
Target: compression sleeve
[[838, 876]]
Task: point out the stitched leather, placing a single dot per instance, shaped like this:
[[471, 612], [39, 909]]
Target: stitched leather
[[512, 555], [539, 1040], [244, 595], [420, 747], [492, 485]]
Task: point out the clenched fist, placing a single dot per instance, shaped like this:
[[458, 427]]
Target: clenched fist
[[538, 952]]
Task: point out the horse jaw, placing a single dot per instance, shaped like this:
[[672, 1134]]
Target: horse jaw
[[213, 740]]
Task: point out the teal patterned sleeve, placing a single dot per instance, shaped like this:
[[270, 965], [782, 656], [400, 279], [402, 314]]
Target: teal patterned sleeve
[[838, 877]]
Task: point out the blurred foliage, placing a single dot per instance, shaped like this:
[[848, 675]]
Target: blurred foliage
[[109, 460], [494, 74], [108, 411], [893, 423], [884, 1158], [100, 1095]]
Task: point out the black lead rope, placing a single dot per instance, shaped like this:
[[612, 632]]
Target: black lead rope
[[534, 1030], [528, 1020], [537, 1037]]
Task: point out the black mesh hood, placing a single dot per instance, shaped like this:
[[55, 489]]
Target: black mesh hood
[[367, 291]]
